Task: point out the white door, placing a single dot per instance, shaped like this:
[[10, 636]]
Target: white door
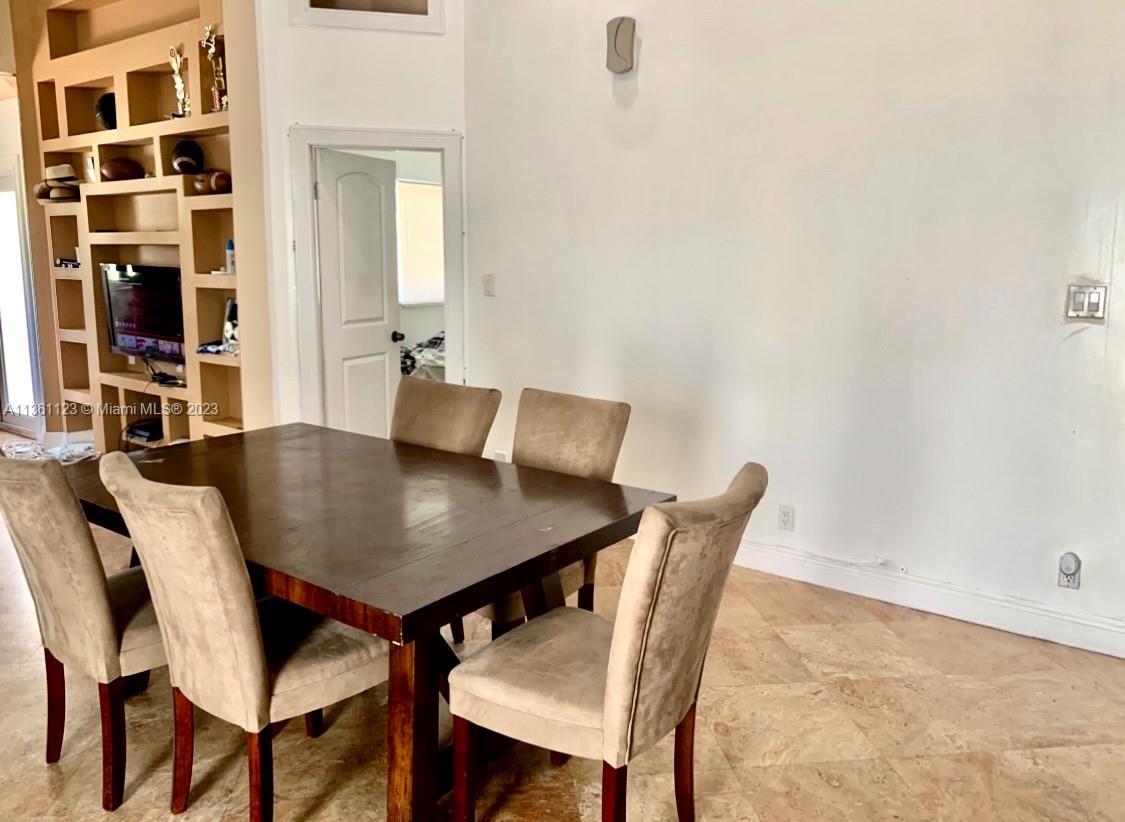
[[356, 227]]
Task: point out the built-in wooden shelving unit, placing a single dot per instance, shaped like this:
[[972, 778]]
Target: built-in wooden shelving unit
[[95, 46]]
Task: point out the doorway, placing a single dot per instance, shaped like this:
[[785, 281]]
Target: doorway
[[19, 365], [380, 278]]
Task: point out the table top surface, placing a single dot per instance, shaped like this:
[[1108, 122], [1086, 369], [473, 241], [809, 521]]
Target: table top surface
[[414, 534]]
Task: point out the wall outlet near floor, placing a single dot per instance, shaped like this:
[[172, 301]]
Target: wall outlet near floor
[[787, 518], [490, 285], [1070, 571]]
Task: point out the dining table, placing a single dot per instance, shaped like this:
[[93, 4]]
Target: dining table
[[395, 540]]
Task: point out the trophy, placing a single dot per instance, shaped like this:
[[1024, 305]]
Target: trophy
[[183, 101], [219, 99]]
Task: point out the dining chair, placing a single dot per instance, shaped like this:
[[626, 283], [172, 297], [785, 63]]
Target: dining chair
[[444, 416], [101, 627], [248, 664], [573, 681], [568, 435]]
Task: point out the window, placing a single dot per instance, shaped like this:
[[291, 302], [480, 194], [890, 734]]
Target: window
[[392, 15], [421, 243]]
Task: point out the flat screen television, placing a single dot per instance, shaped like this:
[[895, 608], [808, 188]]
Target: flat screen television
[[145, 310]]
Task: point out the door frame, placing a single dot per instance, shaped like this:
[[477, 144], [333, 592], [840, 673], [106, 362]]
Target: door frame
[[304, 141], [33, 426]]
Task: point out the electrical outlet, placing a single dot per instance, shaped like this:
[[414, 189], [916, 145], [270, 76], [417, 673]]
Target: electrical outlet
[[787, 518], [1070, 571], [490, 285]]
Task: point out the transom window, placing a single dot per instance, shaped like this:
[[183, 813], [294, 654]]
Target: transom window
[[392, 15]]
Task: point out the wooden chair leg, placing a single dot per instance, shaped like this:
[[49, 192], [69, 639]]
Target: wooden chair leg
[[137, 684], [314, 723], [183, 750], [464, 776], [457, 626], [614, 784], [56, 706], [586, 597], [685, 767], [112, 698], [260, 749]]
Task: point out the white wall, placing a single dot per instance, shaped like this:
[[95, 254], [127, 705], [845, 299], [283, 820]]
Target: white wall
[[834, 238], [348, 78], [10, 144]]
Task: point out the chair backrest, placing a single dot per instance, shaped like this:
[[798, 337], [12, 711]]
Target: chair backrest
[[569, 434], [444, 416], [61, 564], [680, 562], [201, 592]]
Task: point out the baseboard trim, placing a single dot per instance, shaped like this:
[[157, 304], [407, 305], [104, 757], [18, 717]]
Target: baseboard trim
[[1100, 634], [51, 439]]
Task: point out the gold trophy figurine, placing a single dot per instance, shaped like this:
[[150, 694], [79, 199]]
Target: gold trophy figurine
[[219, 98], [183, 100]]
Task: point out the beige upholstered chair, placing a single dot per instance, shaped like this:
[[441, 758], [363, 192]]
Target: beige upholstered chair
[[444, 416], [242, 667], [575, 682], [102, 628], [568, 435]]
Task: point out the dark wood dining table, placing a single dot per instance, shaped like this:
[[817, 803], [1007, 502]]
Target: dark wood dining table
[[395, 540]]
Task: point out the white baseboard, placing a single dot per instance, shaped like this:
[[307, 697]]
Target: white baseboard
[[1106, 636], [52, 439]]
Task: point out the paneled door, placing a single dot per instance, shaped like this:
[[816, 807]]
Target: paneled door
[[359, 310]]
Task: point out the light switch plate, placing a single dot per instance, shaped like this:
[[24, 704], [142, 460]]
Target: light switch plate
[[1086, 302]]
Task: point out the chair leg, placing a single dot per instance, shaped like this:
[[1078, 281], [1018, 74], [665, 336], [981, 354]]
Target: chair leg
[[614, 784], [260, 748], [314, 723], [183, 750], [56, 706], [586, 597], [464, 776], [137, 684], [112, 698], [685, 767], [458, 628]]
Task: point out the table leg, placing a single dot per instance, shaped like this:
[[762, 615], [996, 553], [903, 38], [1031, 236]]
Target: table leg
[[412, 736]]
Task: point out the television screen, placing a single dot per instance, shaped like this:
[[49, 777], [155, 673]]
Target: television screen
[[146, 311]]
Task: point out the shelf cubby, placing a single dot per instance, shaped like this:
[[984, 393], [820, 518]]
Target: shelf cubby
[[64, 236], [80, 100], [131, 254], [210, 231], [75, 26], [152, 94], [48, 103], [139, 150], [155, 211], [75, 366], [69, 305], [211, 312], [216, 149], [77, 158], [221, 388]]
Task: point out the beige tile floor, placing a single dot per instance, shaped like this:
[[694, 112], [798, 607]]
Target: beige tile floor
[[816, 705]]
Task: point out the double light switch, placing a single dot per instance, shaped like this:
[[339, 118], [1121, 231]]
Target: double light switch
[[1086, 302]]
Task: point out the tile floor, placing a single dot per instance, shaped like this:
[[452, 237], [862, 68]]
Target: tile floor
[[816, 705]]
